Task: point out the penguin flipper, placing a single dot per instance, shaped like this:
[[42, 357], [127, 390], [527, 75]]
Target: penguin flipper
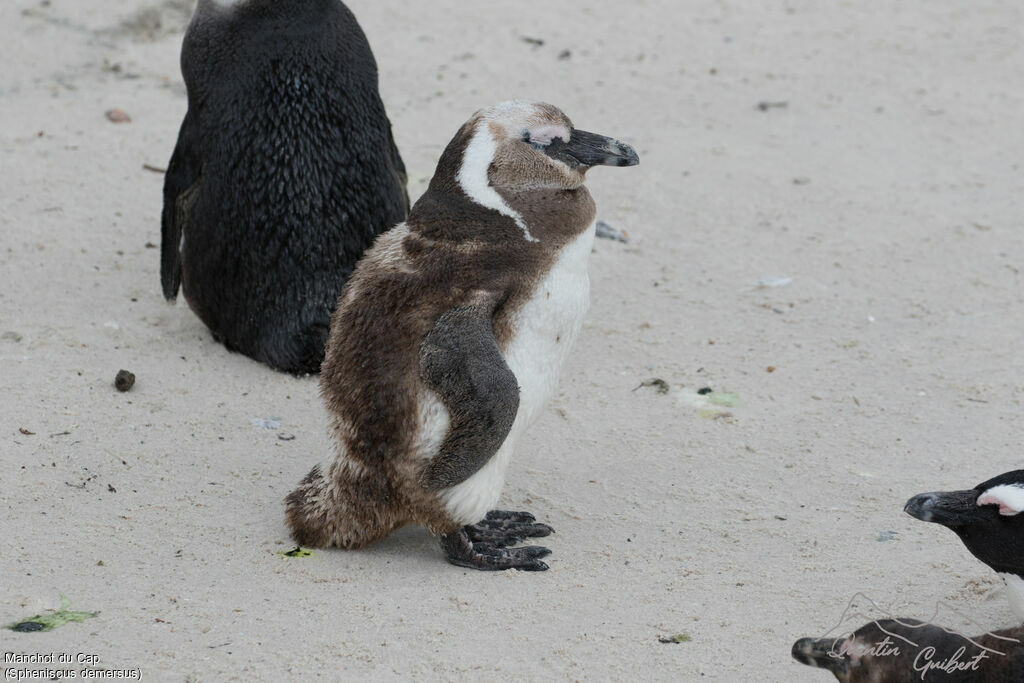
[[180, 183], [461, 361]]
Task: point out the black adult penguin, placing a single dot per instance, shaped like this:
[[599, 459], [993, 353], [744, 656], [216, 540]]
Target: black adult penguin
[[449, 338], [284, 173], [988, 520]]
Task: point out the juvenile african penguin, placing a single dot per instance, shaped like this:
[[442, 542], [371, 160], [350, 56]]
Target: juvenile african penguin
[[906, 650], [284, 172], [449, 337], [987, 519]]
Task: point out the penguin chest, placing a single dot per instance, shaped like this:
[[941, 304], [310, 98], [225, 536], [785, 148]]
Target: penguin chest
[[1015, 593], [546, 327], [544, 330]]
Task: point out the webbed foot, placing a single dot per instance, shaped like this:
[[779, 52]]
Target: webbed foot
[[484, 545]]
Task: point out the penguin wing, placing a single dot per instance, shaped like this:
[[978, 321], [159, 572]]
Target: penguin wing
[[461, 361], [180, 183]]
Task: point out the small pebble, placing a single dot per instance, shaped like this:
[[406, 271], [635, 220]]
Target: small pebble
[[28, 627], [124, 381], [118, 116]]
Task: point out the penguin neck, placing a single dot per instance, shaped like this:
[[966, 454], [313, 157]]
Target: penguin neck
[[446, 213], [554, 216], [223, 5], [262, 7], [540, 218]]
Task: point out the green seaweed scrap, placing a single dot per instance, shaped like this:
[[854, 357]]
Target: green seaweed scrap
[[48, 622], [721, 398], [716, 403], [677, 638], [295, 552]]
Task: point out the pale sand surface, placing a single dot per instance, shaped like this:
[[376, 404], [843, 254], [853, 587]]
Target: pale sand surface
[[896, 347]]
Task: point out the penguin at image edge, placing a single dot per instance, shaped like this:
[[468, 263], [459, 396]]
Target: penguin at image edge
[[989, 522], [284, 172], [449, 338]]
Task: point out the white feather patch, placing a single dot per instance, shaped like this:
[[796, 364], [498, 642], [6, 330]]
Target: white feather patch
[[1015, 593], [432, 427], [545, 329], [472, 176], [1009, 498], [543, 135]]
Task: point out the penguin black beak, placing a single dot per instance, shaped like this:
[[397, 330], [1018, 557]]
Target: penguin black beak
[[949, 508], [821, 653], [591, 149]]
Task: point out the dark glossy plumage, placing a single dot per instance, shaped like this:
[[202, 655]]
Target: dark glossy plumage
[[284, 172]]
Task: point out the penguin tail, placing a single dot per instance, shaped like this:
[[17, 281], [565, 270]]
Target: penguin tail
[[342, 509], [312, 344], [300, 354], [308, 511]]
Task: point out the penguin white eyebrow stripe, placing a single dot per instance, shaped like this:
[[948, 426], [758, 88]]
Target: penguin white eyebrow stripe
[[1009, 498], [472, 177], [543, 135]]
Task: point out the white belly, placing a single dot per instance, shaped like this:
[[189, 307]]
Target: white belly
[[1015, 592], [545, 329]]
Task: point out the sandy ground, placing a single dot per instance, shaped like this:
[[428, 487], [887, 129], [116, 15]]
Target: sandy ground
[[887, 188]]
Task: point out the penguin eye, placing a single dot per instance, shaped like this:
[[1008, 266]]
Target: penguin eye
[[526, 138]]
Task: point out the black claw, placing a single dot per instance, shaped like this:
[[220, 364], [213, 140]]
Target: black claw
[[535, 566], [537, 530], [510, 516], [531, 551], [492, 538]]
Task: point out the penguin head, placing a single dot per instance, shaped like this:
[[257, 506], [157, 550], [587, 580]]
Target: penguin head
[[522, 145], [881, 650], [987, 518]]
